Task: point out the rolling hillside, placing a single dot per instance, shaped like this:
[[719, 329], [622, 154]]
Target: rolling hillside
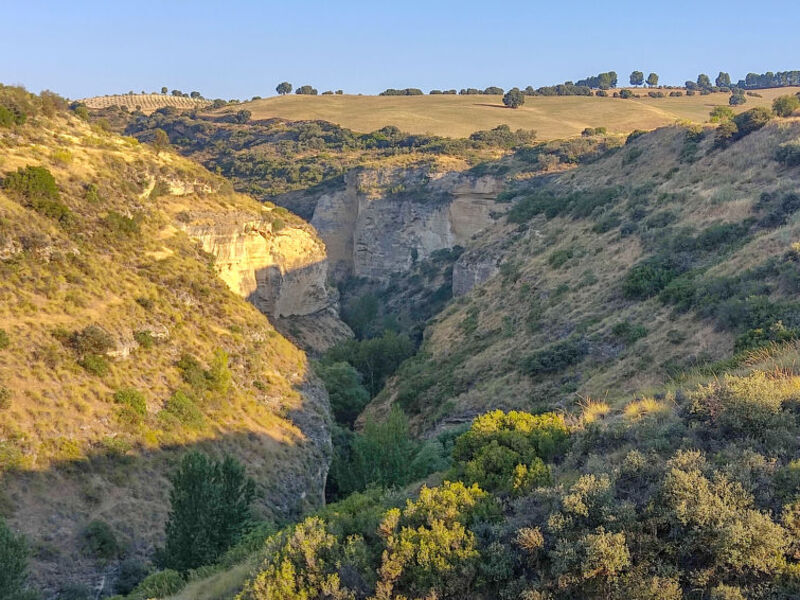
[[552, 117]]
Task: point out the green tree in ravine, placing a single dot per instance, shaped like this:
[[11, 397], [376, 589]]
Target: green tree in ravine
[[784, 106], [376, 358], [652, 79], [209, 510], [284, 88], [13, 564], [347, 396], [723, 80], [383, 454], [637, 78], [514, 98]]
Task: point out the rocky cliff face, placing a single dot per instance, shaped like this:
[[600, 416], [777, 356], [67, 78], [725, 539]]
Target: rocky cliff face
[[282, 272], [382, 221]]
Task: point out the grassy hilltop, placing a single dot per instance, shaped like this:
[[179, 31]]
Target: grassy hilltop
[[552, 117]]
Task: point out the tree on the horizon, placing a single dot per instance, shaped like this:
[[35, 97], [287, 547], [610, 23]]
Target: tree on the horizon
[[514, 98], [652, 79], [637, 78], [164, 90], [703, 81], [723, 79], [284, 88]]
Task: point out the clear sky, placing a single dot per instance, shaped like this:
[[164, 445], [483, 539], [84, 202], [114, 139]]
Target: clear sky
[[238, 49]]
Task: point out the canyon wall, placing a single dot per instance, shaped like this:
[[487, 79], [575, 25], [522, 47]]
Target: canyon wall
[[382, 221]]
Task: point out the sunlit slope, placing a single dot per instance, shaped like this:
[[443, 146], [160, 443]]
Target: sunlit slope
[[552, 117]]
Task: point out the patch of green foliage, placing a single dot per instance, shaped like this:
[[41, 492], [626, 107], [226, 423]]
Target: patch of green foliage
[[506, 452], [37, 188], [13, 565], [556, 356], [375, 359], [98, 541], [209, 510], [347, 396]]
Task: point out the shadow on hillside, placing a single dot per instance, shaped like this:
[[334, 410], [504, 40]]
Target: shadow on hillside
[[503, 106], [129, 490]]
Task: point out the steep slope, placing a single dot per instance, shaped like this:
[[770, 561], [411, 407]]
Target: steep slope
[[122, 346], [668, 255]]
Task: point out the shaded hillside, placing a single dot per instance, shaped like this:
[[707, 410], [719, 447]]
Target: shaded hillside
[[670, 254], [120, 346]]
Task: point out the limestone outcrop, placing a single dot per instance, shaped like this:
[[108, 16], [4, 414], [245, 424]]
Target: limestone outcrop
[[282, 271], [382, 221]]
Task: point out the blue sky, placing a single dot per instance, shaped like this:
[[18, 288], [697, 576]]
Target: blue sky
[[237, 49]]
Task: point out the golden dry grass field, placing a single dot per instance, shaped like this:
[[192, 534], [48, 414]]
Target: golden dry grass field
[[552, 117]]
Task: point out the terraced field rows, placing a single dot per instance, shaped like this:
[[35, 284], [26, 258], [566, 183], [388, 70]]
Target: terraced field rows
[[147, 102]]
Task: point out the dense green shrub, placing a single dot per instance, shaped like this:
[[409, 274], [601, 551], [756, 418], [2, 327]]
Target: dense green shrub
[[629, 332], [144, 338], [505, 452], [121, 225], [217, 378], [789, 153], [751, 120], [784, 106], [131, 573], [158, 585], [384, 454], [649, 277], [98, 541], [209, 510], [95, 364], [92, 339], [556, 357], [37, 187], [184, 409]]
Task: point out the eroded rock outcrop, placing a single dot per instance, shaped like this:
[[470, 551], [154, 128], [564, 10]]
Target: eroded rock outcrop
[[382, 221], [281, 271]]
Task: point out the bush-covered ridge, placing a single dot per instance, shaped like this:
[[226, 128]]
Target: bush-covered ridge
[[692, 492]]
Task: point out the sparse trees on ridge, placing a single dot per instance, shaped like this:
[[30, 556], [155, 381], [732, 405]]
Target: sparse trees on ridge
[[306, 90], [703, 81], [164, 90], [637, 78], [284, 88], [652, 79], [723, 80]]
